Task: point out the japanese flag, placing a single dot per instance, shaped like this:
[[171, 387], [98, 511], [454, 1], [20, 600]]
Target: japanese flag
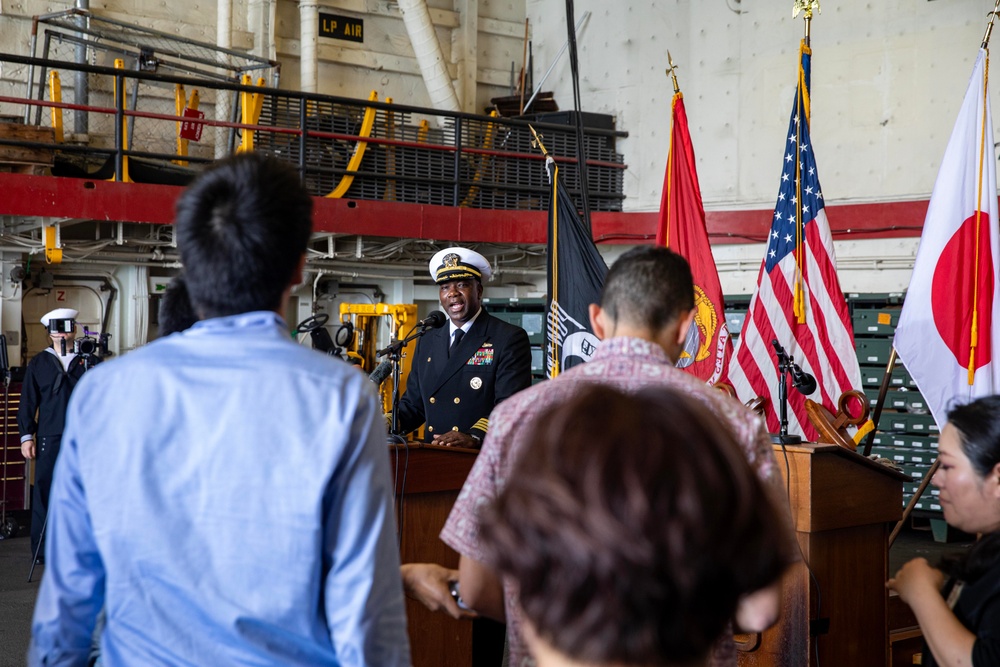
[[947, 334]]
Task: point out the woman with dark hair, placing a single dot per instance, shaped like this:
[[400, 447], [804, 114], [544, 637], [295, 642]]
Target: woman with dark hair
[[635, 530], [958, 606]]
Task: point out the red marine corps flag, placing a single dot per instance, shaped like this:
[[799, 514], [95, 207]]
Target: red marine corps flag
[[682, 229], [945, 334], [798, 301]]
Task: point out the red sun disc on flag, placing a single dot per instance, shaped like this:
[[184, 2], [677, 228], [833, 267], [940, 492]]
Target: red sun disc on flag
[[953, 292]]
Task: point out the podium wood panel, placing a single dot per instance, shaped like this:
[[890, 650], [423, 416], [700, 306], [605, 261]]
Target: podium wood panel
[[834, 488], [842, 506], [433, 477]]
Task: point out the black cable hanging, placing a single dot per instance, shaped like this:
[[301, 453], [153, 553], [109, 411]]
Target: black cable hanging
[[581, 152]]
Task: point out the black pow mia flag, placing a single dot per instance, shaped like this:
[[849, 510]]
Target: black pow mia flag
[[576, 273]]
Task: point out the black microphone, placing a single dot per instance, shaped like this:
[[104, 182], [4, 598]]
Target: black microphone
[[803, 381], [381, 372], [435, 320]]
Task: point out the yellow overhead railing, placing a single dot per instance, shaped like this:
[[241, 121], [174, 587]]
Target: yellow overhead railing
[[120, 64], [55, 95], [359, 151], [250, 108], [482, 162]]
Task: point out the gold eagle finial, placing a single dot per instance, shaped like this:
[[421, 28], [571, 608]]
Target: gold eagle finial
[[807, 6]]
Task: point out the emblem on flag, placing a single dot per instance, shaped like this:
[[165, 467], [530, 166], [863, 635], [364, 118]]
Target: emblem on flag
[[698, 345]]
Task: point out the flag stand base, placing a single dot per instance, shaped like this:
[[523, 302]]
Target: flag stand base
[[779, 439]]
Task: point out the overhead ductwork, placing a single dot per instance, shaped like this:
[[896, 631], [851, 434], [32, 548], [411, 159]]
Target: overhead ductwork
[[427, 49], [308, 45]]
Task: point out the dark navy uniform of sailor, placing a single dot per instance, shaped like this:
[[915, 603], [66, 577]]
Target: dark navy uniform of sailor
[[45, 394], [457, 391]]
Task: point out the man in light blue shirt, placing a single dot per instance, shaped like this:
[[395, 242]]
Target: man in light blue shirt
[[224, 493]]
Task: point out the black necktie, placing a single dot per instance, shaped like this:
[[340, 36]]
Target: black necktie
[[459, 334]]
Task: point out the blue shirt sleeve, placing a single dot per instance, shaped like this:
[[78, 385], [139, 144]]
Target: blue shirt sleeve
[[72, 592], [363, 593]]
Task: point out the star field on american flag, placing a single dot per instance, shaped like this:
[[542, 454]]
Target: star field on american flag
[[782, 238]]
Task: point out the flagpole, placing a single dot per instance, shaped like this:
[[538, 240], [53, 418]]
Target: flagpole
[[883, 390], [550, 323], [989, 26], [668, 198], [798, 299], [913, 501]]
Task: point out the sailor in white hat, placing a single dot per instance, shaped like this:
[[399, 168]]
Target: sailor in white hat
[[462, 370], [48, 381]]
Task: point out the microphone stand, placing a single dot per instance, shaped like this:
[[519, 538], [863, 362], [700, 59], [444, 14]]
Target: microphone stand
[[784, 367], [394, 351]]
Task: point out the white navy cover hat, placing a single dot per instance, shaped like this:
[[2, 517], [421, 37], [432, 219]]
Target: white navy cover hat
[[456, 263], [60, 320], [59, 314]]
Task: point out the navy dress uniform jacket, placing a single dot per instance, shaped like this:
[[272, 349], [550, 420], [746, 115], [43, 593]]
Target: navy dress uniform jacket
[[46, 389], [458, 392]]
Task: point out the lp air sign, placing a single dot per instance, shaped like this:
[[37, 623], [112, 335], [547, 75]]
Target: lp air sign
[[341, 27]]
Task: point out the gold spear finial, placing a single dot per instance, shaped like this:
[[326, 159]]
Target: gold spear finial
[[989, 26], [537, 141], [807, 6], [672, 71]]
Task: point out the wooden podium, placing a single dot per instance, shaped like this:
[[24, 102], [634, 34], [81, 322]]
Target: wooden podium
[[842, 506], [428, 479]]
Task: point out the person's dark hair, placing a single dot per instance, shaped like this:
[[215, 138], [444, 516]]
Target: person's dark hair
[[648, 285], [978, 426], [176, 312], [978, 423], [631, 525], [241, 229]]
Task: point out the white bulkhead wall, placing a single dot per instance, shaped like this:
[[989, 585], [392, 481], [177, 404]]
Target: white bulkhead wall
[[887, 81]]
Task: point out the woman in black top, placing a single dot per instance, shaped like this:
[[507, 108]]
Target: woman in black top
[[958, 606]]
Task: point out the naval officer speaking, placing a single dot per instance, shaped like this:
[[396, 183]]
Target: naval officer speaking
[[460, 372]]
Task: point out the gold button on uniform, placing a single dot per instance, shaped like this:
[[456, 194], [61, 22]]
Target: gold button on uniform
[[430, 428], [454, 428], [433, 399], [428, 360], [458, 400]]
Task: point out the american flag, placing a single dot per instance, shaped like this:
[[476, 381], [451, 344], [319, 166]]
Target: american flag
[[798, 301]]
